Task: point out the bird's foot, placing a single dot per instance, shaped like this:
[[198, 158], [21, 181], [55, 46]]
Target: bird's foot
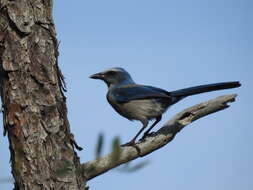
[[130, 143], [147, 135]]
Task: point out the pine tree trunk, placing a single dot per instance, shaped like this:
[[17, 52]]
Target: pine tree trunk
[[35, 114]]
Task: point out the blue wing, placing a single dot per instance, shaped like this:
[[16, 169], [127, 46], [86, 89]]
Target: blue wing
[[127, 93]]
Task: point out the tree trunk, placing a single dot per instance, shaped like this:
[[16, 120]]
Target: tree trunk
[[34, 107], [35, 114]]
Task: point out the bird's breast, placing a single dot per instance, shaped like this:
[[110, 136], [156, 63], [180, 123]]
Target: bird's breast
[[138, 109]]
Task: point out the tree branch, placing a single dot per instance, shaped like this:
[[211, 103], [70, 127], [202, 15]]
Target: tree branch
[[160, 138]]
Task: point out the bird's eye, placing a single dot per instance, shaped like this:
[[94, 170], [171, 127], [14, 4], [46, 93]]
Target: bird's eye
[[111, 73]]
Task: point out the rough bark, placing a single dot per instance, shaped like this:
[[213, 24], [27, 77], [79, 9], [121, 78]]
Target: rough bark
[[34, 108], [159, 139]]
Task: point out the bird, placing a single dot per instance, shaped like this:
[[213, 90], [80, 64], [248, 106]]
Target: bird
[[144, 103]]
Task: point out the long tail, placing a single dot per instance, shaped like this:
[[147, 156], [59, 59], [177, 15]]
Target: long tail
[[182, 93]]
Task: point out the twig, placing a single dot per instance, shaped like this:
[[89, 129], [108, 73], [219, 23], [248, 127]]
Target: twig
[[160, 138]]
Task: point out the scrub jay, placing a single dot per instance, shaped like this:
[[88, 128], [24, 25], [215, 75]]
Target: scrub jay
[[143, 103]]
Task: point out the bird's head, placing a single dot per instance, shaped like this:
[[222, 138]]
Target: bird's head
[[114, 76]]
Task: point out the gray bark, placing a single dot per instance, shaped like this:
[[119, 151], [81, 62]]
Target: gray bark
[[34, 108]]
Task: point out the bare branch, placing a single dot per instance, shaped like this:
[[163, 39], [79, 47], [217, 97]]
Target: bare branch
[[160, 138]]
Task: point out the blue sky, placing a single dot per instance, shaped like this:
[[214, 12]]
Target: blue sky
[[171, 45]]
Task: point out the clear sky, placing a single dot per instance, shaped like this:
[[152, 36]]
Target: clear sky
[[168, 44]]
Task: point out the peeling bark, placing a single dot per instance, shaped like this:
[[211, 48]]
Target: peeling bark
[[31, 86]]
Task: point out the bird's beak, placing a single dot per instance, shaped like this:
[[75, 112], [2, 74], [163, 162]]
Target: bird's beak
[[97, 76]]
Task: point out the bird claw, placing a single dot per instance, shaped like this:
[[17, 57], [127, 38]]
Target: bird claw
[[147, 135], [131, 143]]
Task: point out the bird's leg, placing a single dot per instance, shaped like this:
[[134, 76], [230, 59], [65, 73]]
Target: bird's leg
[[132, 142], [151, 127]]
